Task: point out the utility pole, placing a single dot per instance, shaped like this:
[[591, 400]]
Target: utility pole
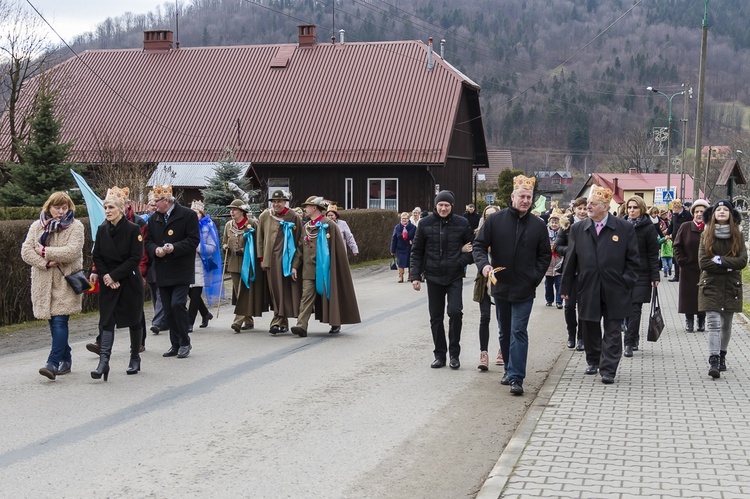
[[699, 116], [684, 138]]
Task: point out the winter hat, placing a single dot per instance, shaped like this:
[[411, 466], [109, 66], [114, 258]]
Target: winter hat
[[699, 202], [446, 197], [736, 215]]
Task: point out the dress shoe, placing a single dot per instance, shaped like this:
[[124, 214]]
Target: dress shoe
[[484, 361], [579, 346], [635, 347], [93, 347], [247, 326], [155, 329], [335, 330], [206, 318], [559, 306], [49, 370], [184, 351], [299, 331], [190, 329], [437, 363], [274, 329], [628, 351], [674, 279], [64, 367], [142, 349], [516, 388], [172, 352], [549, 304], [571, 344], [506, 380], [608, 379], [283, 329], [591, 370], [455, 364], [236, 328]]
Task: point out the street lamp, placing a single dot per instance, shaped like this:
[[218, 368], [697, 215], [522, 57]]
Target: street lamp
[[669, 132]]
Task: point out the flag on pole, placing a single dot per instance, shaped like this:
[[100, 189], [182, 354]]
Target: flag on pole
[[94, 205], [541, 205]]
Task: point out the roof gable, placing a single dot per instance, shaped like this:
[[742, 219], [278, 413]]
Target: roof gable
[[329, 103]]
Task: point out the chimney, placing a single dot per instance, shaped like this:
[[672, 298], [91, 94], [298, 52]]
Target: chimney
[[306, 35], [614, 185], [430, 58], [633, 171], [442, 49], [341, 36], [157, 40]]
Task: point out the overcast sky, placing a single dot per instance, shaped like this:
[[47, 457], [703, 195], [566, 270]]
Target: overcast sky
[[74, 17]]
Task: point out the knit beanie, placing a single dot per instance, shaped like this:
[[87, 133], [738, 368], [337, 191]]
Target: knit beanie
[[445, 196]]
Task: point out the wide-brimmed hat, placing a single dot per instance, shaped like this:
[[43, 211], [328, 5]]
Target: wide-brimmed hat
[[317, 201], [279, 195], [239, 204]]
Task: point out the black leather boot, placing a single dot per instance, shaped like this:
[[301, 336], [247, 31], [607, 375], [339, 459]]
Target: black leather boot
[[689, 323], [701, 324], [722, 360], [136, 336], [713, 366], [105, 350]]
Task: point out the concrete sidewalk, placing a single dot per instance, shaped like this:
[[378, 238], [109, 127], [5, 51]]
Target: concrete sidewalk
[[664, 429]]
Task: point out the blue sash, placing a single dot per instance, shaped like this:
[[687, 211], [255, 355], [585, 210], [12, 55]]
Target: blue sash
[[323, 262], [248, 261], [290, 247], [211, 259]]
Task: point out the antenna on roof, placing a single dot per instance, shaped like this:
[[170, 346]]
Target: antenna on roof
[[177, 24], [333, 22]]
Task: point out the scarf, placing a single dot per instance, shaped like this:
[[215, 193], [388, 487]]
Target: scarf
[[700, 225], [248, 262], [290, 248], [53, 225], [405, 234], [323, 262], [654, 220], [722, 231]]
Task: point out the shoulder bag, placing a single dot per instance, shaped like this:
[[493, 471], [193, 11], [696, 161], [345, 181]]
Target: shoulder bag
[[655, 320]]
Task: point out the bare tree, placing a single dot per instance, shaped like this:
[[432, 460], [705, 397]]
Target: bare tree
[[24, 47], [635, 148]]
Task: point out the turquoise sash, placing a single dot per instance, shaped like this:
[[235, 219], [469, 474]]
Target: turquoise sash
[[248, 262], [290, 247], [323, 262]]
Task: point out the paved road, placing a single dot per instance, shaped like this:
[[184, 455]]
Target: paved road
[[252, 415], [664, 429]]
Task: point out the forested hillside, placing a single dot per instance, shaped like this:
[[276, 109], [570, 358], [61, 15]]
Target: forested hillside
[[563, 82]]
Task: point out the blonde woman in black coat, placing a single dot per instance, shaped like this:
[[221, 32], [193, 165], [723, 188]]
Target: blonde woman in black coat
[[117, 252]]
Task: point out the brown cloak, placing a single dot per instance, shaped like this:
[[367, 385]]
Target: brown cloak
[[252, 301], [285, 293]]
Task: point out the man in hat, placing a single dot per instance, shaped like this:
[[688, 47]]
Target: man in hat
[[441, 250], [278, 231], [248, 283], [679, 216], [321, 263], [602, 262], [514, 246], [171, 241]]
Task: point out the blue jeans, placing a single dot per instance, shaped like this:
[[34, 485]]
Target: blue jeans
[[60, 351], [552, 288], [666, 264], [513, 318]]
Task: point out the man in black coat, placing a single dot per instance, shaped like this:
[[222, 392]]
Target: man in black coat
[[679, 216], [602, 262], [441, 250], [171, 241], [472, 216], [518, 242]]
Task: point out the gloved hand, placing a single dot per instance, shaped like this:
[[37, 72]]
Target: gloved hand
[[716, 260]]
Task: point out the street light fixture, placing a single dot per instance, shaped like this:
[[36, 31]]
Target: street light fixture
[[669, 132]]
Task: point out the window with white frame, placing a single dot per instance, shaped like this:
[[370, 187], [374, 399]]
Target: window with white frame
[[382, 193], [348, 191]]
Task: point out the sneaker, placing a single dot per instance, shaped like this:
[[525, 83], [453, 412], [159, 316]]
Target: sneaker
[[484, 361], [516, 388], [499, 361]]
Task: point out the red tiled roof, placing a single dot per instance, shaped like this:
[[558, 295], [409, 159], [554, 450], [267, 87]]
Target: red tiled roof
[[642, 182], [332, 103]]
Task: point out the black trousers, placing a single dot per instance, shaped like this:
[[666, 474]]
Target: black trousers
[[575, 328], [436, 300], [604, 350], [196, 304], [633, 334], [174, 301]]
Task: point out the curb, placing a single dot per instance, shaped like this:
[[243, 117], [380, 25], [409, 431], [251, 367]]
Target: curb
[[495, 483]]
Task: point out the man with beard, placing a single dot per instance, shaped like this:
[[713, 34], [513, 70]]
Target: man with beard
[[278, 231]]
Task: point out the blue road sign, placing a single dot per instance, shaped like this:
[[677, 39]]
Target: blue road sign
[[667, 196]]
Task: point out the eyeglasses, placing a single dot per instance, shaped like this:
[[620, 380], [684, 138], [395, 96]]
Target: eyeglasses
[[159, 199]]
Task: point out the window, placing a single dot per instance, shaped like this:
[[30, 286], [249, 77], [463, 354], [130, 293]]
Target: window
[[348, 191], [382, 193], [556, 180]]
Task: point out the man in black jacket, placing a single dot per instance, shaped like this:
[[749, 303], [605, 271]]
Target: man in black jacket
[[441, 249], [171, 241], [679, 216], [517, 242]]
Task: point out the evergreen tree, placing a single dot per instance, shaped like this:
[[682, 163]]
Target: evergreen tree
[[218, 194], [43, 167], [505, 187]]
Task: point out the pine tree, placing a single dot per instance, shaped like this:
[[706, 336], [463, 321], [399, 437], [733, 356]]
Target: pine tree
[[43, 167], [218, 194]]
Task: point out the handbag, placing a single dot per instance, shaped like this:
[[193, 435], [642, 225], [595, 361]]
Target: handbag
[[393, 264], [655, 320], [77, 280]]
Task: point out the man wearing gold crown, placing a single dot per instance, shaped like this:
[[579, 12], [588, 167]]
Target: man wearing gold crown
[[171, 241], [518, 242], [602, 263]]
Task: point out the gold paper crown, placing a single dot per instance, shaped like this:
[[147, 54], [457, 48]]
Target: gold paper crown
[[599, 193], [556, 214], [523, 182], [197, 205], [118, 194], [162, 191], [677, 202]]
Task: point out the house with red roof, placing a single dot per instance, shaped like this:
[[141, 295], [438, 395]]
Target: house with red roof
[[368, 125]]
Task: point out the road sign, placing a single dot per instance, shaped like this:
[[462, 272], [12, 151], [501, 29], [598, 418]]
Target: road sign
[[489, 198], [667, 196], [664, 196]]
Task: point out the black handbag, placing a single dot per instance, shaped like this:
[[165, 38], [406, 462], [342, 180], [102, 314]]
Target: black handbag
[[393, 264], [77, 280], [655, 320]]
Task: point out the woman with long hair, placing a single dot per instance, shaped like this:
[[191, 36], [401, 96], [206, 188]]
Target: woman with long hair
[[721, 256], [207, 268], [482, 296], [647, 235], [54, 248], [117, 253]]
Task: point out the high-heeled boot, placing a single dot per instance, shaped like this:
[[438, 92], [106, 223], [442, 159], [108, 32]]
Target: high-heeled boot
[[400, 274], [105, 350], [135, 348]]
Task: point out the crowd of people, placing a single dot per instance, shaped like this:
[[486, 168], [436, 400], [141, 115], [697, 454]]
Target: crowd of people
[[280, 261], [598, 264]]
